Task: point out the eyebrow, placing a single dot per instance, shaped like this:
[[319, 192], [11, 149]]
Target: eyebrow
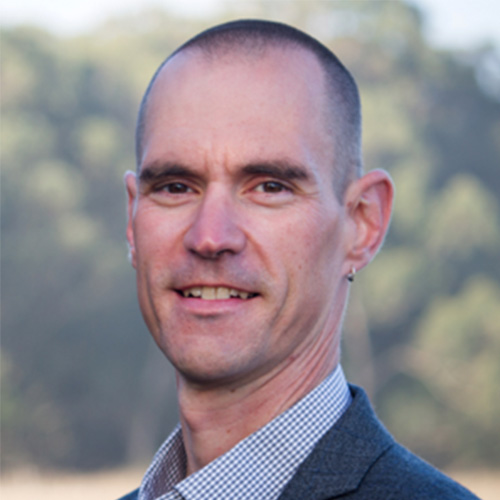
[[282, 169], [157, 171]]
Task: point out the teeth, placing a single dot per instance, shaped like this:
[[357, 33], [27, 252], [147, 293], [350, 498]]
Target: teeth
[[208, 293], [222, 292], [192, 292], [212, 293]]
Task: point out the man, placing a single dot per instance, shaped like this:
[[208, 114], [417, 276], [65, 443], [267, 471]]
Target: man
[[248, 219]]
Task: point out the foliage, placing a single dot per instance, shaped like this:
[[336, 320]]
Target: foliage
[[83, 386]]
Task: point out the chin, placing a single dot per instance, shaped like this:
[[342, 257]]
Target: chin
[[209, 369]]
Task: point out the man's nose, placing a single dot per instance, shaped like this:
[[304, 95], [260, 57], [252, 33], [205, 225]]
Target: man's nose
[[215, 229]]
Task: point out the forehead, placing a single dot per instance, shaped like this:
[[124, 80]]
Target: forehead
[[271, 102]]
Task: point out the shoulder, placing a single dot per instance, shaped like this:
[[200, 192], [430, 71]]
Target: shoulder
[[359, 459], [398, 474], [133, 495]]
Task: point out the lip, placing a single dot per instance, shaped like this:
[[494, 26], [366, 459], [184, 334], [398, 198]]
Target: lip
[[199, 306], [212, 285]]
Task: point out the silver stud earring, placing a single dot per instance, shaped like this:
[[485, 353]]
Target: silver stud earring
[[129, 253], [352, 273]]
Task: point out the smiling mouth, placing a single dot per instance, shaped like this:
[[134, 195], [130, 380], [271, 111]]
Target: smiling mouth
[[215, 293]]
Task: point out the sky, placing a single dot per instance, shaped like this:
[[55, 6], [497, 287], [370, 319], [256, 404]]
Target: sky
[[450, 23]]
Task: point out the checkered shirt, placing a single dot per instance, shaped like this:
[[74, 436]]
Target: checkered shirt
[[260, 465]]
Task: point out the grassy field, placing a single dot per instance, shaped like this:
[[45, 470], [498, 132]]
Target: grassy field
[[113, 484], [108, 485]]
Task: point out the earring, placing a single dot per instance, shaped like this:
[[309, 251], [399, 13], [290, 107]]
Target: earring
[[352, 273], [129, 253]]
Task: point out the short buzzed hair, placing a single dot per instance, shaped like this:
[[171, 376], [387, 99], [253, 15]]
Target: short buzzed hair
[[251, 35]]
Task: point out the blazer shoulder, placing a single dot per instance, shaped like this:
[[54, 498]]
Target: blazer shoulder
[[133, 495], [359, 459], [402, 474]]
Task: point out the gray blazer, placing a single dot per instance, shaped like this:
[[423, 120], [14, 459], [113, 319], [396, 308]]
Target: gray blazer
[[358, 459]]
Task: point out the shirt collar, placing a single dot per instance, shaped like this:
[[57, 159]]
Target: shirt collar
[[258, 466]]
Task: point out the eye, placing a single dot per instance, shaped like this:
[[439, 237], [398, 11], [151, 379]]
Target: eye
[[176, 188], [271, 187]]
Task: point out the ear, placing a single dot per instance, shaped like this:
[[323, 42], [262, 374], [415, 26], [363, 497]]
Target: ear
[[368, 202], [130, 180]]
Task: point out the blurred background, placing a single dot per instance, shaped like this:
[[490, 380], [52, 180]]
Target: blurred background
[[84, 388]]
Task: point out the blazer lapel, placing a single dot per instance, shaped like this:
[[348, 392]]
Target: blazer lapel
[[341, 459]]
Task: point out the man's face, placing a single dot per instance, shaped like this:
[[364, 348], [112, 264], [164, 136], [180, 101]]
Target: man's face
[[237, 236]]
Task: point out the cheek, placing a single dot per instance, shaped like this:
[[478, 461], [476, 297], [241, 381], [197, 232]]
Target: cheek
[[155, 232], [315, 253], [154, 248], [287, 252]]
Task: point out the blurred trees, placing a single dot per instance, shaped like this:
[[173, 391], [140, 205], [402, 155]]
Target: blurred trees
[[82, 383]]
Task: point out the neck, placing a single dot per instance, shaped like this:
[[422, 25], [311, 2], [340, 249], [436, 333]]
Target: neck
[[216, 418]]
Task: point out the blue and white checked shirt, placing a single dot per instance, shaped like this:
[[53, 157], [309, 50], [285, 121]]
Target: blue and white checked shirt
[[260, 465]]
